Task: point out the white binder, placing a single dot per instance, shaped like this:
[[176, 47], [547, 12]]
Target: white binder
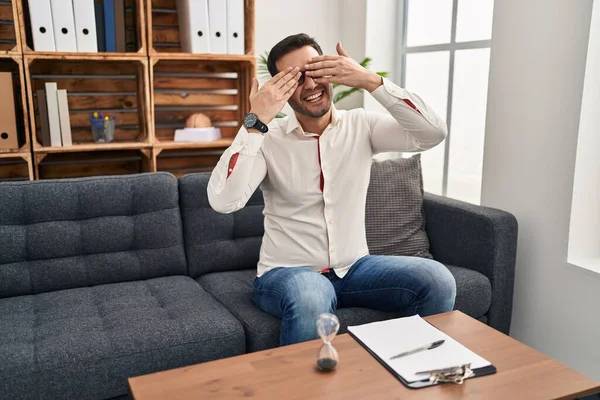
[[85, 25], [53, 116], [217, 16], [235, 27], [194, 33], [40, 16], [64, 25], [63, 114]]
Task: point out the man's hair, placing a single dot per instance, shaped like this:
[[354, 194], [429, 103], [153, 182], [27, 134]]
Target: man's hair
[[287, 45]]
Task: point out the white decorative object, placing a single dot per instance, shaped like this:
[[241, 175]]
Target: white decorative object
[[197, 134]]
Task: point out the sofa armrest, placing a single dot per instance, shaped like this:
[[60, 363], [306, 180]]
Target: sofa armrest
[[479, 238]]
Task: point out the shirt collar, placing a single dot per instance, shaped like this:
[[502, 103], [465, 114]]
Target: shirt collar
[[293, 123]]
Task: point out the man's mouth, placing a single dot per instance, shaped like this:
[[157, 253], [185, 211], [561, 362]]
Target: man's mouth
[[313, 98]]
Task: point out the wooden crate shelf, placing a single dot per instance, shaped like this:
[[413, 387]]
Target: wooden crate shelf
[[16, 167], [152, 89], [181, 86], [114, 86], [10, 38], [94, 163], [92, 147], [135, 31], [180, 162], [14, 65], [163, 27], [217, 144]]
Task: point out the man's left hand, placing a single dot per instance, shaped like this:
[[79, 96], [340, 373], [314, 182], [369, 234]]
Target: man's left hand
[[343, 70]]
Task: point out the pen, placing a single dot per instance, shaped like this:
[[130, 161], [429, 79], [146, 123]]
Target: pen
[[421, 348]]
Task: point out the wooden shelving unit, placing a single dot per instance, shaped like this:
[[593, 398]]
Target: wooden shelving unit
[[16, 166], [152, 89], [10, 38], [92, 163], [113, 85], [181, 86]]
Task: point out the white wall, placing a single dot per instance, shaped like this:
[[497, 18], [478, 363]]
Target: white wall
[[381, 41], [537, 67], [276, 19]]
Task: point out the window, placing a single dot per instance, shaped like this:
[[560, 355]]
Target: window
[[444, 58]]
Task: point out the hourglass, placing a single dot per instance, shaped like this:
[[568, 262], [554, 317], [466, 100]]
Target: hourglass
[[327, 327]]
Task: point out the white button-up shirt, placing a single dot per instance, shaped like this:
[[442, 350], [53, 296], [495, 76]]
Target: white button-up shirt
[[306, 226]]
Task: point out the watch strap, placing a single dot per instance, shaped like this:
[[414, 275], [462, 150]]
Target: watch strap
[[261, 126]]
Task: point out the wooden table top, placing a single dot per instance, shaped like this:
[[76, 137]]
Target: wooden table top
[[289, 372]]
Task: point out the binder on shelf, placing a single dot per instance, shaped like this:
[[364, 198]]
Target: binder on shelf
[[194, 29], [65, 121], [235, 27], [42, 29], [63, 22], [44, 123], [100, 33], [85, 25], [109, 26], [120, 42], [409, 348], [53, 116], [217, 17], [8, 118]]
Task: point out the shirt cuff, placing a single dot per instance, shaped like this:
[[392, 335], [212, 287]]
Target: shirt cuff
[[389, 93], [247, 143]]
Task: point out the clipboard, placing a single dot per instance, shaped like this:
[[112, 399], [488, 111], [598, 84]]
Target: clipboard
[[477, 372], [400, 339]]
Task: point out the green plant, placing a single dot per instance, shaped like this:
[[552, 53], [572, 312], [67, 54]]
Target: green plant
[[340, 91]]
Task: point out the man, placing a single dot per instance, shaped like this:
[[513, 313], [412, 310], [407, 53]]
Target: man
[[313, 168]]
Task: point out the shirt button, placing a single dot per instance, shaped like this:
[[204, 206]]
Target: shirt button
[[330, 221], [326, 194], [331, 251]]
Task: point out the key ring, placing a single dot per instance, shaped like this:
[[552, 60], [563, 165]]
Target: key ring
[[456, 374]]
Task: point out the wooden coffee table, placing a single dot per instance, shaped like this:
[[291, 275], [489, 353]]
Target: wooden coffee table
[[289, 373]]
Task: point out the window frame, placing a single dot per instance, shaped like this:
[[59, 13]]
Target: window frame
[[452, 47]]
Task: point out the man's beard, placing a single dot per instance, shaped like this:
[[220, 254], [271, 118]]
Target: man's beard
[[300, 109]]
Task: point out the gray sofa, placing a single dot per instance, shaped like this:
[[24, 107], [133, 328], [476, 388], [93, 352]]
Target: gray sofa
[[106, 278]]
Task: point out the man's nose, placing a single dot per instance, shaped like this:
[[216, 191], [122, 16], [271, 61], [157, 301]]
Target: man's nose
[[309, 83]]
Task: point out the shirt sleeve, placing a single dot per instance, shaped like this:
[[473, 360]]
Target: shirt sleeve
[[230, 186], [409, 124]]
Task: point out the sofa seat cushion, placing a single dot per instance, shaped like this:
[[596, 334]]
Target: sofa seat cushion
[[234, 290], [86, 342]]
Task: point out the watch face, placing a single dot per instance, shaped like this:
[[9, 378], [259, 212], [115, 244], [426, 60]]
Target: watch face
[[250, 120]]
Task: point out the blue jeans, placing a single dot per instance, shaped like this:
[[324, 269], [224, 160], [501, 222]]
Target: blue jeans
[[387, 283]]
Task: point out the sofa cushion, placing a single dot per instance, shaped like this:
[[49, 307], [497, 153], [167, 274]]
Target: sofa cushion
[[214, 241], [62, 234], [473, 291], [234, 290], [86, 342], [394, 214]]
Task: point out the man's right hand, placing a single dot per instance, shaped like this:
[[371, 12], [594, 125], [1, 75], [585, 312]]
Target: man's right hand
[[269, 100]]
